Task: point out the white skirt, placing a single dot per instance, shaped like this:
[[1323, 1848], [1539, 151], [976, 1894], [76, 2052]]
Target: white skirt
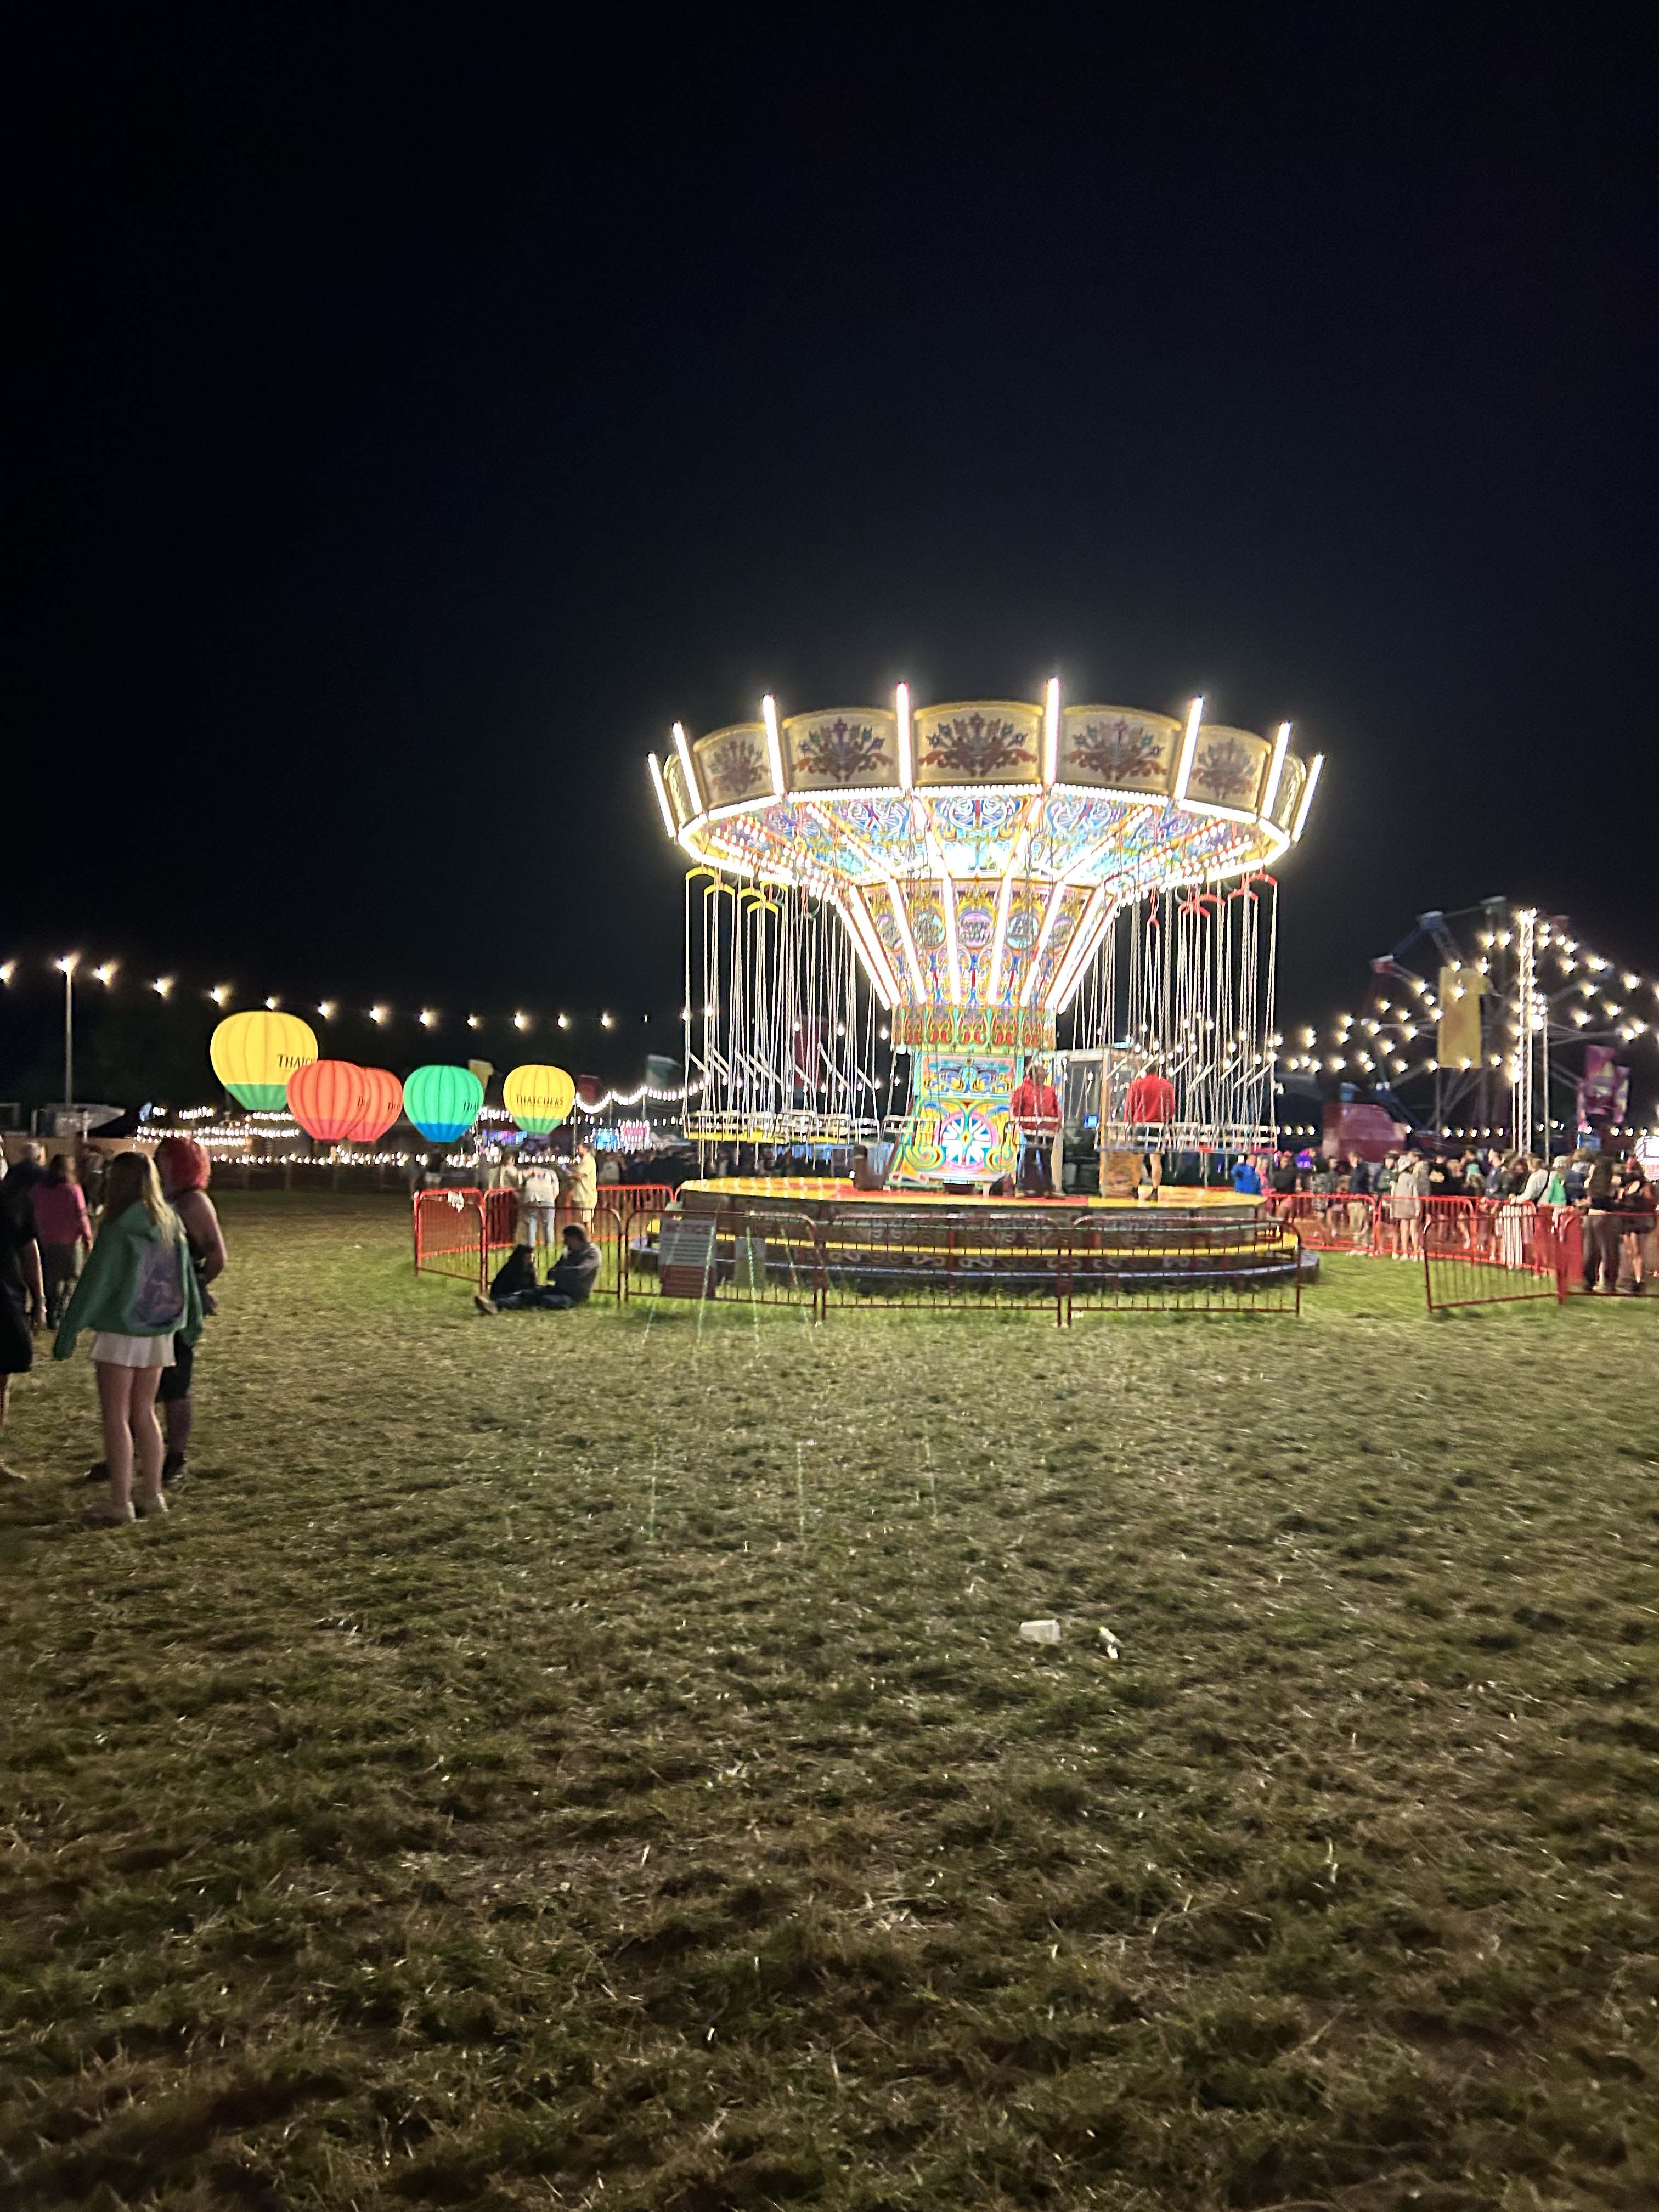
[[118, 1350]]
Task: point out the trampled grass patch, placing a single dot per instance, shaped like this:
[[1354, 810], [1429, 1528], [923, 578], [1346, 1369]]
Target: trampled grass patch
[[589, 1760]]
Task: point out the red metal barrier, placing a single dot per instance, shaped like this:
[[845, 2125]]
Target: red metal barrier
[[1490, 1251], [464, 1233], [1328, 1221], [970, 1261], [449, 1234]]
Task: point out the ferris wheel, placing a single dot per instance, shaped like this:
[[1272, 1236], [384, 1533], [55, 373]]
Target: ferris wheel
[[1482, 1023]]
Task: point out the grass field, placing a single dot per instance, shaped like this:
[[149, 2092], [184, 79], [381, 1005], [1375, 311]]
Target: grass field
[[590, 1760]]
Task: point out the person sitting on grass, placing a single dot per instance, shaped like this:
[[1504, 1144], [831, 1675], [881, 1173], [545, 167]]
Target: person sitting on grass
[[570, 1283]]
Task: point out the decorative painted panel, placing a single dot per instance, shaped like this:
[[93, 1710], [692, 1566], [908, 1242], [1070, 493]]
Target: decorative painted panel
[[1118, 749], [842, 749]]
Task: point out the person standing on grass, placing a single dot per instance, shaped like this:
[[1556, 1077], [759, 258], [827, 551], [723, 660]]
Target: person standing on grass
[[1411, 1185], [185, 1168], [1635, 1206], [538, 1201], [1600, 1227], [62, 1231], [139, 1294], [22, 1299], [584, 1191], [93, 1171]]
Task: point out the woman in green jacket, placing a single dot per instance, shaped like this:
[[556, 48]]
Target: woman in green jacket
[[138, 1290]]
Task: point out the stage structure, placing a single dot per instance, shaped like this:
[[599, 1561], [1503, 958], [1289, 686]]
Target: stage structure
[[1004, 880]]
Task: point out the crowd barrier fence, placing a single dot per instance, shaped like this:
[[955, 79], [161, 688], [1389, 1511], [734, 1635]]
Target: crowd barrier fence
[[970, 1261], [449, 1234], [1472, 1252], [1477, 1251], [466, 1234]]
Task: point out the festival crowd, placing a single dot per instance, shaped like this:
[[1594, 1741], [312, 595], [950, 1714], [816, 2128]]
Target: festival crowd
[[1614, 1198]]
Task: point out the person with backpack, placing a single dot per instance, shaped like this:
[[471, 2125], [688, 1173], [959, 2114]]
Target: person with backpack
[[137, 1292]]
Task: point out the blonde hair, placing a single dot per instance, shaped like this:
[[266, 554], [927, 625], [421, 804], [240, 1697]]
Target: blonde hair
[[132, 1180]]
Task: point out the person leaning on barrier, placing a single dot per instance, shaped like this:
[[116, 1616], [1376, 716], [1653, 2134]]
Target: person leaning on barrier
[[570, 1282]]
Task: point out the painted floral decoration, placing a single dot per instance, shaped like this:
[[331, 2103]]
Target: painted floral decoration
[[1119, 752], [733, 767], [840, 750], [978, 745]]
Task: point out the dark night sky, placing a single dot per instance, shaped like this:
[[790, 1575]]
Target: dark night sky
[[408, 429]]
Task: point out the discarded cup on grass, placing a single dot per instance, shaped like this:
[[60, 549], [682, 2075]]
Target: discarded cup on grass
[[1039, 1631]]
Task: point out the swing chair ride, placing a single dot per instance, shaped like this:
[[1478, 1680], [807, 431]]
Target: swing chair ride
[[892, 913]]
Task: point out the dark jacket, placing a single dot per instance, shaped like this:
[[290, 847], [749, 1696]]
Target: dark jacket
[[576, 1273]]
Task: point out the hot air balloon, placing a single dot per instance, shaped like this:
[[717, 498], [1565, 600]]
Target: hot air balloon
[[327, 1097], [385, 1102], [443, 1103], [538, 1098], [253, 1055]]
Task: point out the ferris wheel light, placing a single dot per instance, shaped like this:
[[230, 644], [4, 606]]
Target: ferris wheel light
[[773, 744], [1188, 748]]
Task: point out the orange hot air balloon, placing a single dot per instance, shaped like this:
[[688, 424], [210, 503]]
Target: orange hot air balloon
[[325, 1097], [385, 1102]]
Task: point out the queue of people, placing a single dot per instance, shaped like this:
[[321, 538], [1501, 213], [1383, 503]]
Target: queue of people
[[1615, 1198], [138, 1285]]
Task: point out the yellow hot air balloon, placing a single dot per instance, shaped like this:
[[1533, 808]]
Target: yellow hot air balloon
[[253, 1055], [538, 1098]]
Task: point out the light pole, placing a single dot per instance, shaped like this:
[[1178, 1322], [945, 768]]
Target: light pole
[[69, 963]]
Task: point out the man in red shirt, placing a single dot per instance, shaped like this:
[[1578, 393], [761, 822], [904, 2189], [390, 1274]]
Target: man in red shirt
[[1151, 1100], [1035, 1111]]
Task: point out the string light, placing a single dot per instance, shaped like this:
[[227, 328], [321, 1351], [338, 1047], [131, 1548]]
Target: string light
[[107, 972]]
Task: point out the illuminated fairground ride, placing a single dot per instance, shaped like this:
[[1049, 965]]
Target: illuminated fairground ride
[[997, 868], [1494, 1023]]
